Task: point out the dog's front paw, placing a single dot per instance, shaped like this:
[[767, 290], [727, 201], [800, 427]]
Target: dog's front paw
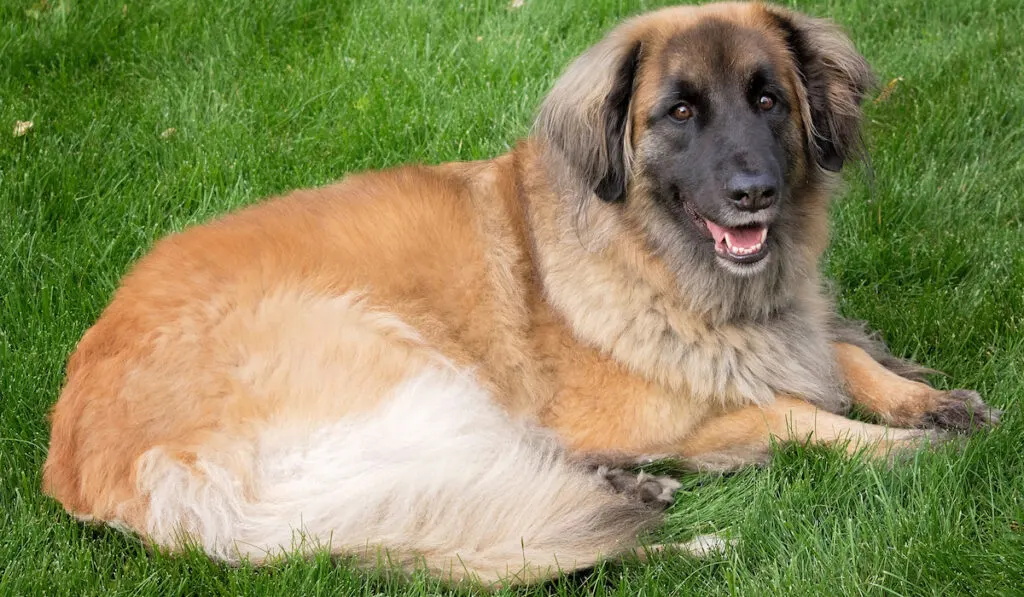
[[961, 410], [902, 445]]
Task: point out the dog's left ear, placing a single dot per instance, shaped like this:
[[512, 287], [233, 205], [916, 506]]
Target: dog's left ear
[[835, 78], [585, 118]]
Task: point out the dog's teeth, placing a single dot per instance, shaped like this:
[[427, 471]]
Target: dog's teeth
[[741, 251], [744, 250]]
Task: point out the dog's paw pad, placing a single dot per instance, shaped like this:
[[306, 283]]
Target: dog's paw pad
[[656, 489]]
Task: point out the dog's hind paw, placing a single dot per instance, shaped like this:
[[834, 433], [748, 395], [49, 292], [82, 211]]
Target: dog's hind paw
[[702, 546], [654, 491]]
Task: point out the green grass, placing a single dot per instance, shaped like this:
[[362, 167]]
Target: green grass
[[270, 96]]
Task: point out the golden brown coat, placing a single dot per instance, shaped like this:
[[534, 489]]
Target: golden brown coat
[[430, 360]]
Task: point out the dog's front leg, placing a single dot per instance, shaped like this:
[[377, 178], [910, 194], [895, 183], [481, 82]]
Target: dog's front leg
[[604, 410], [744, 436], [906, 403]]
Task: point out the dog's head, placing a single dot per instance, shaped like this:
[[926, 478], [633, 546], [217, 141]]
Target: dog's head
[[715, 131]]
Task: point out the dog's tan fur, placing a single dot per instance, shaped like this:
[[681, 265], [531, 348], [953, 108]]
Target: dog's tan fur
[[315, 307]]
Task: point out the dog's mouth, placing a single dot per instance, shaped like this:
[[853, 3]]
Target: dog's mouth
[[740, 244]]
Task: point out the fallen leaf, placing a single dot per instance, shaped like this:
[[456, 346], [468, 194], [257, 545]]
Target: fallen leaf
[[479, 38], [22, 127], [888, 89], [168, 133], [517, 4]]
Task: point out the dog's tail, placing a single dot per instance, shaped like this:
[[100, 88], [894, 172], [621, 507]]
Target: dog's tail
[[437, 477]]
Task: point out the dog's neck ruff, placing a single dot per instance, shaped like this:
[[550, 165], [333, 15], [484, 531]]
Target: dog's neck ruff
[[615, 293]]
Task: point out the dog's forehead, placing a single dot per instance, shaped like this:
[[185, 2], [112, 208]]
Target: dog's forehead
[[714, 49]]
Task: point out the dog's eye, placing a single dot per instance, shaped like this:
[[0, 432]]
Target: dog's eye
[[766, 102], [681, 112]]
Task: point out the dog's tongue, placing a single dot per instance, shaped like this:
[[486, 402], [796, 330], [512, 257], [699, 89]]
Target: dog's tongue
[[737, 238]]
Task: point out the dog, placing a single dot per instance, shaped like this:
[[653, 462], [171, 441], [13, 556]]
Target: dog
[[453, 367]]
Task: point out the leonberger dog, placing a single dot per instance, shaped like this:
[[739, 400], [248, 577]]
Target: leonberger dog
[[456, 366]]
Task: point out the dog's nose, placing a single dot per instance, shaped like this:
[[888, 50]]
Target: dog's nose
[[752, 192]]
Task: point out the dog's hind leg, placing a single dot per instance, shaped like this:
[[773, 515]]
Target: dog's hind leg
[[905, 402]]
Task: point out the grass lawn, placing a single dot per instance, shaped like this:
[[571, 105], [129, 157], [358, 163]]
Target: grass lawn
[[155, 115]]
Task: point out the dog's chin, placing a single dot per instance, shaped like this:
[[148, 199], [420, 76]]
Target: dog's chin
[[744, 270]]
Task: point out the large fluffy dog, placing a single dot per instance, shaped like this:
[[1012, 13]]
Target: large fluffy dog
[[431, 361]]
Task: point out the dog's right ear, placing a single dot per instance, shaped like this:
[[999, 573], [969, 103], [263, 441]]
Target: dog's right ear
[[585, 117]]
